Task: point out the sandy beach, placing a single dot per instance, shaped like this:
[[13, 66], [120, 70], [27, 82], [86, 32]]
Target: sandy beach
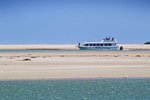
[[73, 64]]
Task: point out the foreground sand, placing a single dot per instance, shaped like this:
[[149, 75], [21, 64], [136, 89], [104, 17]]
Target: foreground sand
[[71, 64]]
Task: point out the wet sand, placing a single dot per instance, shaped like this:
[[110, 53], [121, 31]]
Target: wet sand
[[74, 64]]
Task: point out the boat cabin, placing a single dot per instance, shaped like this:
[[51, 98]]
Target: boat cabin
[[105, 42], [99, 44]]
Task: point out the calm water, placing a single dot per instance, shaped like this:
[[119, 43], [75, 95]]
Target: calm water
[[91, 89], [60, 50]]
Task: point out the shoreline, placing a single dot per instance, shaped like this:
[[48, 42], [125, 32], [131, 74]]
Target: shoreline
[[59, 79]]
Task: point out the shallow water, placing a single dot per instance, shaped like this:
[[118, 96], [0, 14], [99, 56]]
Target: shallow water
[[60, 50], [76, 89]]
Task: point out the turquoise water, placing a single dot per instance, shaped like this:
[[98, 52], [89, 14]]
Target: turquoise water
[[60, 50], [77, 89]]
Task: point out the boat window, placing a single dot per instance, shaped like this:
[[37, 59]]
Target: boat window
[[98, 44], [109, 44], [101, 44], [106, 44], [90, 44], [94, 44], [86, 45]]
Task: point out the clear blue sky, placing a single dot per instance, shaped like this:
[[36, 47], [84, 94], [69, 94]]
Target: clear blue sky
[[70, 21]]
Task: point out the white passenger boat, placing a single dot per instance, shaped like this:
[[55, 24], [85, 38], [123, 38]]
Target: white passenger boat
[[105, 44]]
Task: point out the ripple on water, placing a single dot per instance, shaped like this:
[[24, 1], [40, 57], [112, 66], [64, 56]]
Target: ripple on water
[[92, 89]]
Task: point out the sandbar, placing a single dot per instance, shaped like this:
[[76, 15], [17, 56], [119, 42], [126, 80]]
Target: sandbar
[[64, 46], [73, 64]]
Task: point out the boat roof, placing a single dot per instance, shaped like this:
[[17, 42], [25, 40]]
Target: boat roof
[[104, 41]]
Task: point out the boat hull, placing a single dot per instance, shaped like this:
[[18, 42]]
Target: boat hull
[[99, 48]]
